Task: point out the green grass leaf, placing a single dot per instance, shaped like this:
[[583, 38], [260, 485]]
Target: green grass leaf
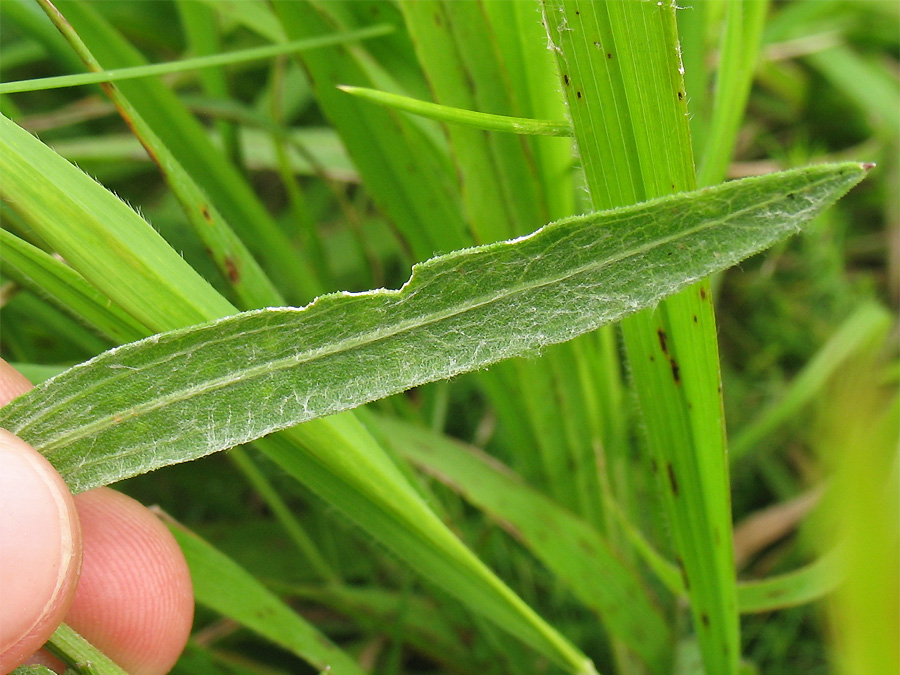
[[50, 277], [183, 65], [218, 385], [575, 552], [222, 585], [471, 118]]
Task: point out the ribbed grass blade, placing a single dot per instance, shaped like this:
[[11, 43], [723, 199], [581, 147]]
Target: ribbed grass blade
[[622, 76], [218, 385], [235, 263], [390, 151]]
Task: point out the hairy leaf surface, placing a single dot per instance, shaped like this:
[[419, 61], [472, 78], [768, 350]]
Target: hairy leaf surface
[[184, 394]]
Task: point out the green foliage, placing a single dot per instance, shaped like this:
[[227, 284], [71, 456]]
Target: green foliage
[[567, 511]]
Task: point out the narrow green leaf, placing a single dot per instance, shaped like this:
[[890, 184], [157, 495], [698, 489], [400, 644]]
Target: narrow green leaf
[[222, 585], [458, 50], [221, 384], [80, 654], [426, 626], [48, 276], [740, 46], [471, 118], [623, 79], [576, 553], [212, 61], [807, 584], [50, 194], [340, 460], [391, 152], [862, 330], [235, 263], [191, 146]]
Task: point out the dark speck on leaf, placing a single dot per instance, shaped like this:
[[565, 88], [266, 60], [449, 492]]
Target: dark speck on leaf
[[566, 79], [673, 482], [676, 371], [231, 269], [578, 94], [663, 339]]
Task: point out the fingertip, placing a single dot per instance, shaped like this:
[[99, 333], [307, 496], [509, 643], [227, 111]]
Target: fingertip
[[134, 600], [12, 383], [40, 544]]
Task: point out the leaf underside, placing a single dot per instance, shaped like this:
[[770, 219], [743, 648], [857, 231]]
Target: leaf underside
[[184, 394]]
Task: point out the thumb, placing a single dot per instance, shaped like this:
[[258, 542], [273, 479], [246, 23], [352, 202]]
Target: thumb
[[40, 550]]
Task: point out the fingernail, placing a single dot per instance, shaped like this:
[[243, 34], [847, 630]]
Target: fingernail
[[38, 542]]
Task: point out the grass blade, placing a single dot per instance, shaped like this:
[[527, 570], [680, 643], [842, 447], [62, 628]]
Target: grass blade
[[222, 585], [867, 326], [51, 195], [237, 266], [807, 584], [390, 151], [451, 115], [48, 276], [567, 545], [188, 141], [622, 76], [184, 65]]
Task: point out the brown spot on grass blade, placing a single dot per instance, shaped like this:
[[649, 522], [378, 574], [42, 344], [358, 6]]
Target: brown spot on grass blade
[[673, 481], [231, 268], [676, 370], [663, 339]]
